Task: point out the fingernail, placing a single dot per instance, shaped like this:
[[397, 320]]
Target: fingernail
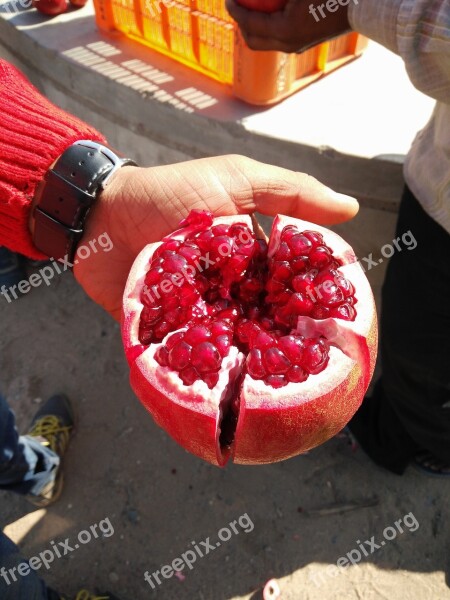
[[344, 199]]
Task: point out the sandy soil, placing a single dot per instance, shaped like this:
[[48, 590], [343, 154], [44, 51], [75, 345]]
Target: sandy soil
[[159, 499]]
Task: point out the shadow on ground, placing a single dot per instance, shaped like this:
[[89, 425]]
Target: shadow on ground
[[159, 499]]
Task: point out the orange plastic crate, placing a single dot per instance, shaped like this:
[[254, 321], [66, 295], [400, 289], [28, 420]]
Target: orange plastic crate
[[201, 35]]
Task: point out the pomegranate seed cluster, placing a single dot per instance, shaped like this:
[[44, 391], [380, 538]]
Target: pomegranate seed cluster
[[203, 266], [304, 281], [281, 359], [217, 283], [198, 352]]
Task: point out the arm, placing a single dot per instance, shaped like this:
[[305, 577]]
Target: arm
[[419, 31], [33, 133], [139, 206]]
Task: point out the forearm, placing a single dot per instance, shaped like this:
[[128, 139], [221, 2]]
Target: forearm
[[418, 31], [33, 133]]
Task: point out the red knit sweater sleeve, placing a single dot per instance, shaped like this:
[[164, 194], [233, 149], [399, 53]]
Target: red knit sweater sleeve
[[33, 133]]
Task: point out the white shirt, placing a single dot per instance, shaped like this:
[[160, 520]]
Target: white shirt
[[419, 31]]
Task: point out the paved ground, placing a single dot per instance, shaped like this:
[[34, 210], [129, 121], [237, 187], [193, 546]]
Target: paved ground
[[123, 471]]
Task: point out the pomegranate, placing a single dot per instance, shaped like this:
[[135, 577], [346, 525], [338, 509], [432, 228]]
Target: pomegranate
[[244, 349], [268, 6], [50, 7]]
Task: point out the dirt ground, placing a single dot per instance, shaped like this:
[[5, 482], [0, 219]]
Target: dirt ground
[[122, 469]]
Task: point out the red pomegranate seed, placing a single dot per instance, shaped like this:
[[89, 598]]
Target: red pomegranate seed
[[223, 344], [197, 334], [267, 323], [175, 264], [292, 346], [255, 365], [300, 245], [288, 232], [189, 375], [283, 252], [315, 356], [299, 264], [262, 340], [191, 252], [281, 270], [162, 330], [276, 381], [296, 374], [162, 356], [211, 379], [320, 257], [180, 356], [221, 229], [345, 311], [206, 357], [314, 237], [304, 283], [299, 304], [199, 218], [320, 312], [276, 362], [154, 276], [151, 315], [174, 339], [220, 328]]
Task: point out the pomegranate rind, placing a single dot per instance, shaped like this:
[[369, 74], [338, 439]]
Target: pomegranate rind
[[310, 413], [190, 414], [272, 425]]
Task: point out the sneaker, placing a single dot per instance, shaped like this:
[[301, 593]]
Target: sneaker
[[431, 465], [11, 272], [86, 595], [53, 425]]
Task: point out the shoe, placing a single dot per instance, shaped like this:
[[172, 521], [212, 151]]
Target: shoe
[[348, 438], [431, 465], [53, 426], [36, 264], [86, 595], [11, 272]]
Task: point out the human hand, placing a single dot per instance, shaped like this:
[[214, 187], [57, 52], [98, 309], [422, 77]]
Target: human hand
[[297, 27], [140, 206]]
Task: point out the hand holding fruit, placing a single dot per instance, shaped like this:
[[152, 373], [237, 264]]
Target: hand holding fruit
[[292, 26], [141, 206]]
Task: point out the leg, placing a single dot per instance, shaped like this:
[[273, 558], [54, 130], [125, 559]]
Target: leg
[[409, 410], [13, 586], [26, 466]]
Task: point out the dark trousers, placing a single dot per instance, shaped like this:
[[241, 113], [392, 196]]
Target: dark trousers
[[409, 410], [25, 466]]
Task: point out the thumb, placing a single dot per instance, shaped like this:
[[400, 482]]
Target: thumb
[[272, 190]]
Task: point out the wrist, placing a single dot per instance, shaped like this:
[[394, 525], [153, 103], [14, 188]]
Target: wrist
[[64, 199], [327, 23]]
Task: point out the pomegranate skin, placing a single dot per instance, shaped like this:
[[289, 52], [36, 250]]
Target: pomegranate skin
[[50, 7], [271, 424], [267, 6]]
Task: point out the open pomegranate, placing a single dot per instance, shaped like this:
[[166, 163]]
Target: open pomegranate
[[246, 349]]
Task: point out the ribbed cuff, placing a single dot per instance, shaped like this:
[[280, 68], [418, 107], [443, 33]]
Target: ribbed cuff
[[33, 134], [377, 19]]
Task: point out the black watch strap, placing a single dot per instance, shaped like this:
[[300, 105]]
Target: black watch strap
[[66, 195]]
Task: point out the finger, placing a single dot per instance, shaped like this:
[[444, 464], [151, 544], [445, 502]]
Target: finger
[[271, 190], [252, 21], [262, 43]]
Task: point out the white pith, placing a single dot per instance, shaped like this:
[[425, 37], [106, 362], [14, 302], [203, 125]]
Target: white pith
[[258, 394], [197, 396]]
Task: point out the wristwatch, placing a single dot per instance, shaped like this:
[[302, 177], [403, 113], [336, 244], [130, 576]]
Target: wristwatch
[[67, 193]]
